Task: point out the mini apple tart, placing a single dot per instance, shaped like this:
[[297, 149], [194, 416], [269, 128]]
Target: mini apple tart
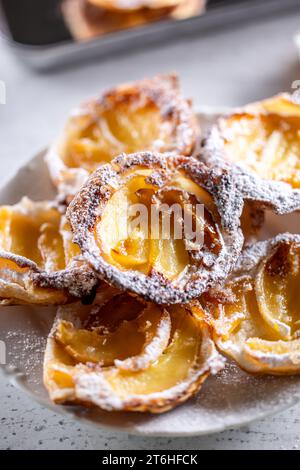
[[122, 353], [86, 20], [119, 5], [262, 190], [264, 137], [258, 324], [38, 261], [163, 227], [146, 115]]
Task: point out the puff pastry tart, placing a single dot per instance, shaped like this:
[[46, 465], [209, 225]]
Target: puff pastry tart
[[132, 5], [122, 353], [145, 115], [86, 20], [191, 238], [263, 189], [38, 261], [264, 137], [257, 322]]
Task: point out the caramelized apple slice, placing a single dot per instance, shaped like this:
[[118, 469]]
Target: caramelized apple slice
[[35, 264], [162, 227], [132, 252], [168, 258], [171, 380], [259, 325], [167, 370], [128, 118], [131, 345], [277, 289]]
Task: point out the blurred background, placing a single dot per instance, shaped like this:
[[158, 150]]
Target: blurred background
[[54, 54]]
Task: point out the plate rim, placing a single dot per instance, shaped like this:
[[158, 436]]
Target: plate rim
[[15, 378]]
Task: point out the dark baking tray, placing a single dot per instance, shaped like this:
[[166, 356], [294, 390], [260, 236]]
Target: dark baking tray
[[36, 31]]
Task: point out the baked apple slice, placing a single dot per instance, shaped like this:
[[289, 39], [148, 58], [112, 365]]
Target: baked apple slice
[[163, 227], [277, 285], [38, 261], [258, 324], [130, 345], [146, 115], [146, 358]]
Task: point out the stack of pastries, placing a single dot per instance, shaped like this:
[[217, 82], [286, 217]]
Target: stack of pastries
[[143, 320]]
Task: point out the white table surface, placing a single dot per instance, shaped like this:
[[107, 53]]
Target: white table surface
[[228, 67]]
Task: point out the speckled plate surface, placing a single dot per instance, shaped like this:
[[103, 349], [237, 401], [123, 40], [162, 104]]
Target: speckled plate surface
[[231, 398]]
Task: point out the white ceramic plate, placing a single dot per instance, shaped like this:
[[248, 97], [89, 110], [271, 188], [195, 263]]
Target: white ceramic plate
[[232, 398]]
